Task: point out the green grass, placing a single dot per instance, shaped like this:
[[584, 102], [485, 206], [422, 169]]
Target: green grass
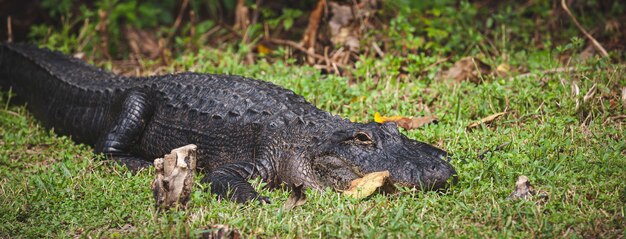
[[49, 186]]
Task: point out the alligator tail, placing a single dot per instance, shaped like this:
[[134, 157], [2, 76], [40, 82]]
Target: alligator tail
[[59, 90], [29, 69]]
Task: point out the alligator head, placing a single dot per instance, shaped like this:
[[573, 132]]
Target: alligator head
[[348, 153]]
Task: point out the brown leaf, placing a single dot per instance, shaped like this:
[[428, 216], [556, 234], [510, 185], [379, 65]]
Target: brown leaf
[[503, 69], [341, 30], [262, 49], [524, 190], [485, 120], [363, 187], [468, 68], [296, 198], [407, 123]]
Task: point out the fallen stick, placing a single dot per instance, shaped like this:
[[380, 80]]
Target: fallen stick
[[595, 43], [302, 49]]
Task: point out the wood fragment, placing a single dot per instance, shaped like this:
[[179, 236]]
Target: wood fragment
[[173, 182], [580, 27], [486, 120], [524, 190]]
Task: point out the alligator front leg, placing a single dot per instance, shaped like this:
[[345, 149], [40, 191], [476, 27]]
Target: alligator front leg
[[231, 182], [116, 143]]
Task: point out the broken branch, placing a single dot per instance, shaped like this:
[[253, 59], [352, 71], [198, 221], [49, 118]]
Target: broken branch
[[595, 43], [302, 49]]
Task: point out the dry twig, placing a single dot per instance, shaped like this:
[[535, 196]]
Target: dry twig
[[548, 71], [178, 21], [309, 37], [595, 43], [302, 49], [563, 70], [9, 30]]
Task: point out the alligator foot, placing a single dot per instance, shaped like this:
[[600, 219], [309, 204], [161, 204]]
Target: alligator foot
[[239, 194], [174, 177], [133, 164], [230, 182]]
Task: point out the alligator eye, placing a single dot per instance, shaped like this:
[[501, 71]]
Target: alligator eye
[[363, 138]]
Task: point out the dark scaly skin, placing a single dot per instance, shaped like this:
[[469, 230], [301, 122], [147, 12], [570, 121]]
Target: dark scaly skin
[[244, 128]]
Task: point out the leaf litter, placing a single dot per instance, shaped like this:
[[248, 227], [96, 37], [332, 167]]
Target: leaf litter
[[364, 187], [407, 123], [486, 120]]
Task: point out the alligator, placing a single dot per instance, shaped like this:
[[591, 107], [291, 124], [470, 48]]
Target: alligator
[[243, 128]]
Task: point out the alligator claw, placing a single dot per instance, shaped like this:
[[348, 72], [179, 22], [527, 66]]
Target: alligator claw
[[251, 197], [263, 200]]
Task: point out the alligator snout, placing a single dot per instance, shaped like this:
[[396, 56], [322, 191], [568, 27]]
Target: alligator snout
[[431, 175], [439, 175]]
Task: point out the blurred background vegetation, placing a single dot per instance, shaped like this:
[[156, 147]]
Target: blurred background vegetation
[[422, 32]]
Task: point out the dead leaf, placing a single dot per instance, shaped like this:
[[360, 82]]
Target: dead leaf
[[173, 182], [524, 190], [468, 68], [503, 69], [342, 31], [262, 49], [219, 231], [486, 120], [363, 187], [407, 123], [296, 198]]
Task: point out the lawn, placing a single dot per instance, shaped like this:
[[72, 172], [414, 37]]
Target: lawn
[[563, 130]]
